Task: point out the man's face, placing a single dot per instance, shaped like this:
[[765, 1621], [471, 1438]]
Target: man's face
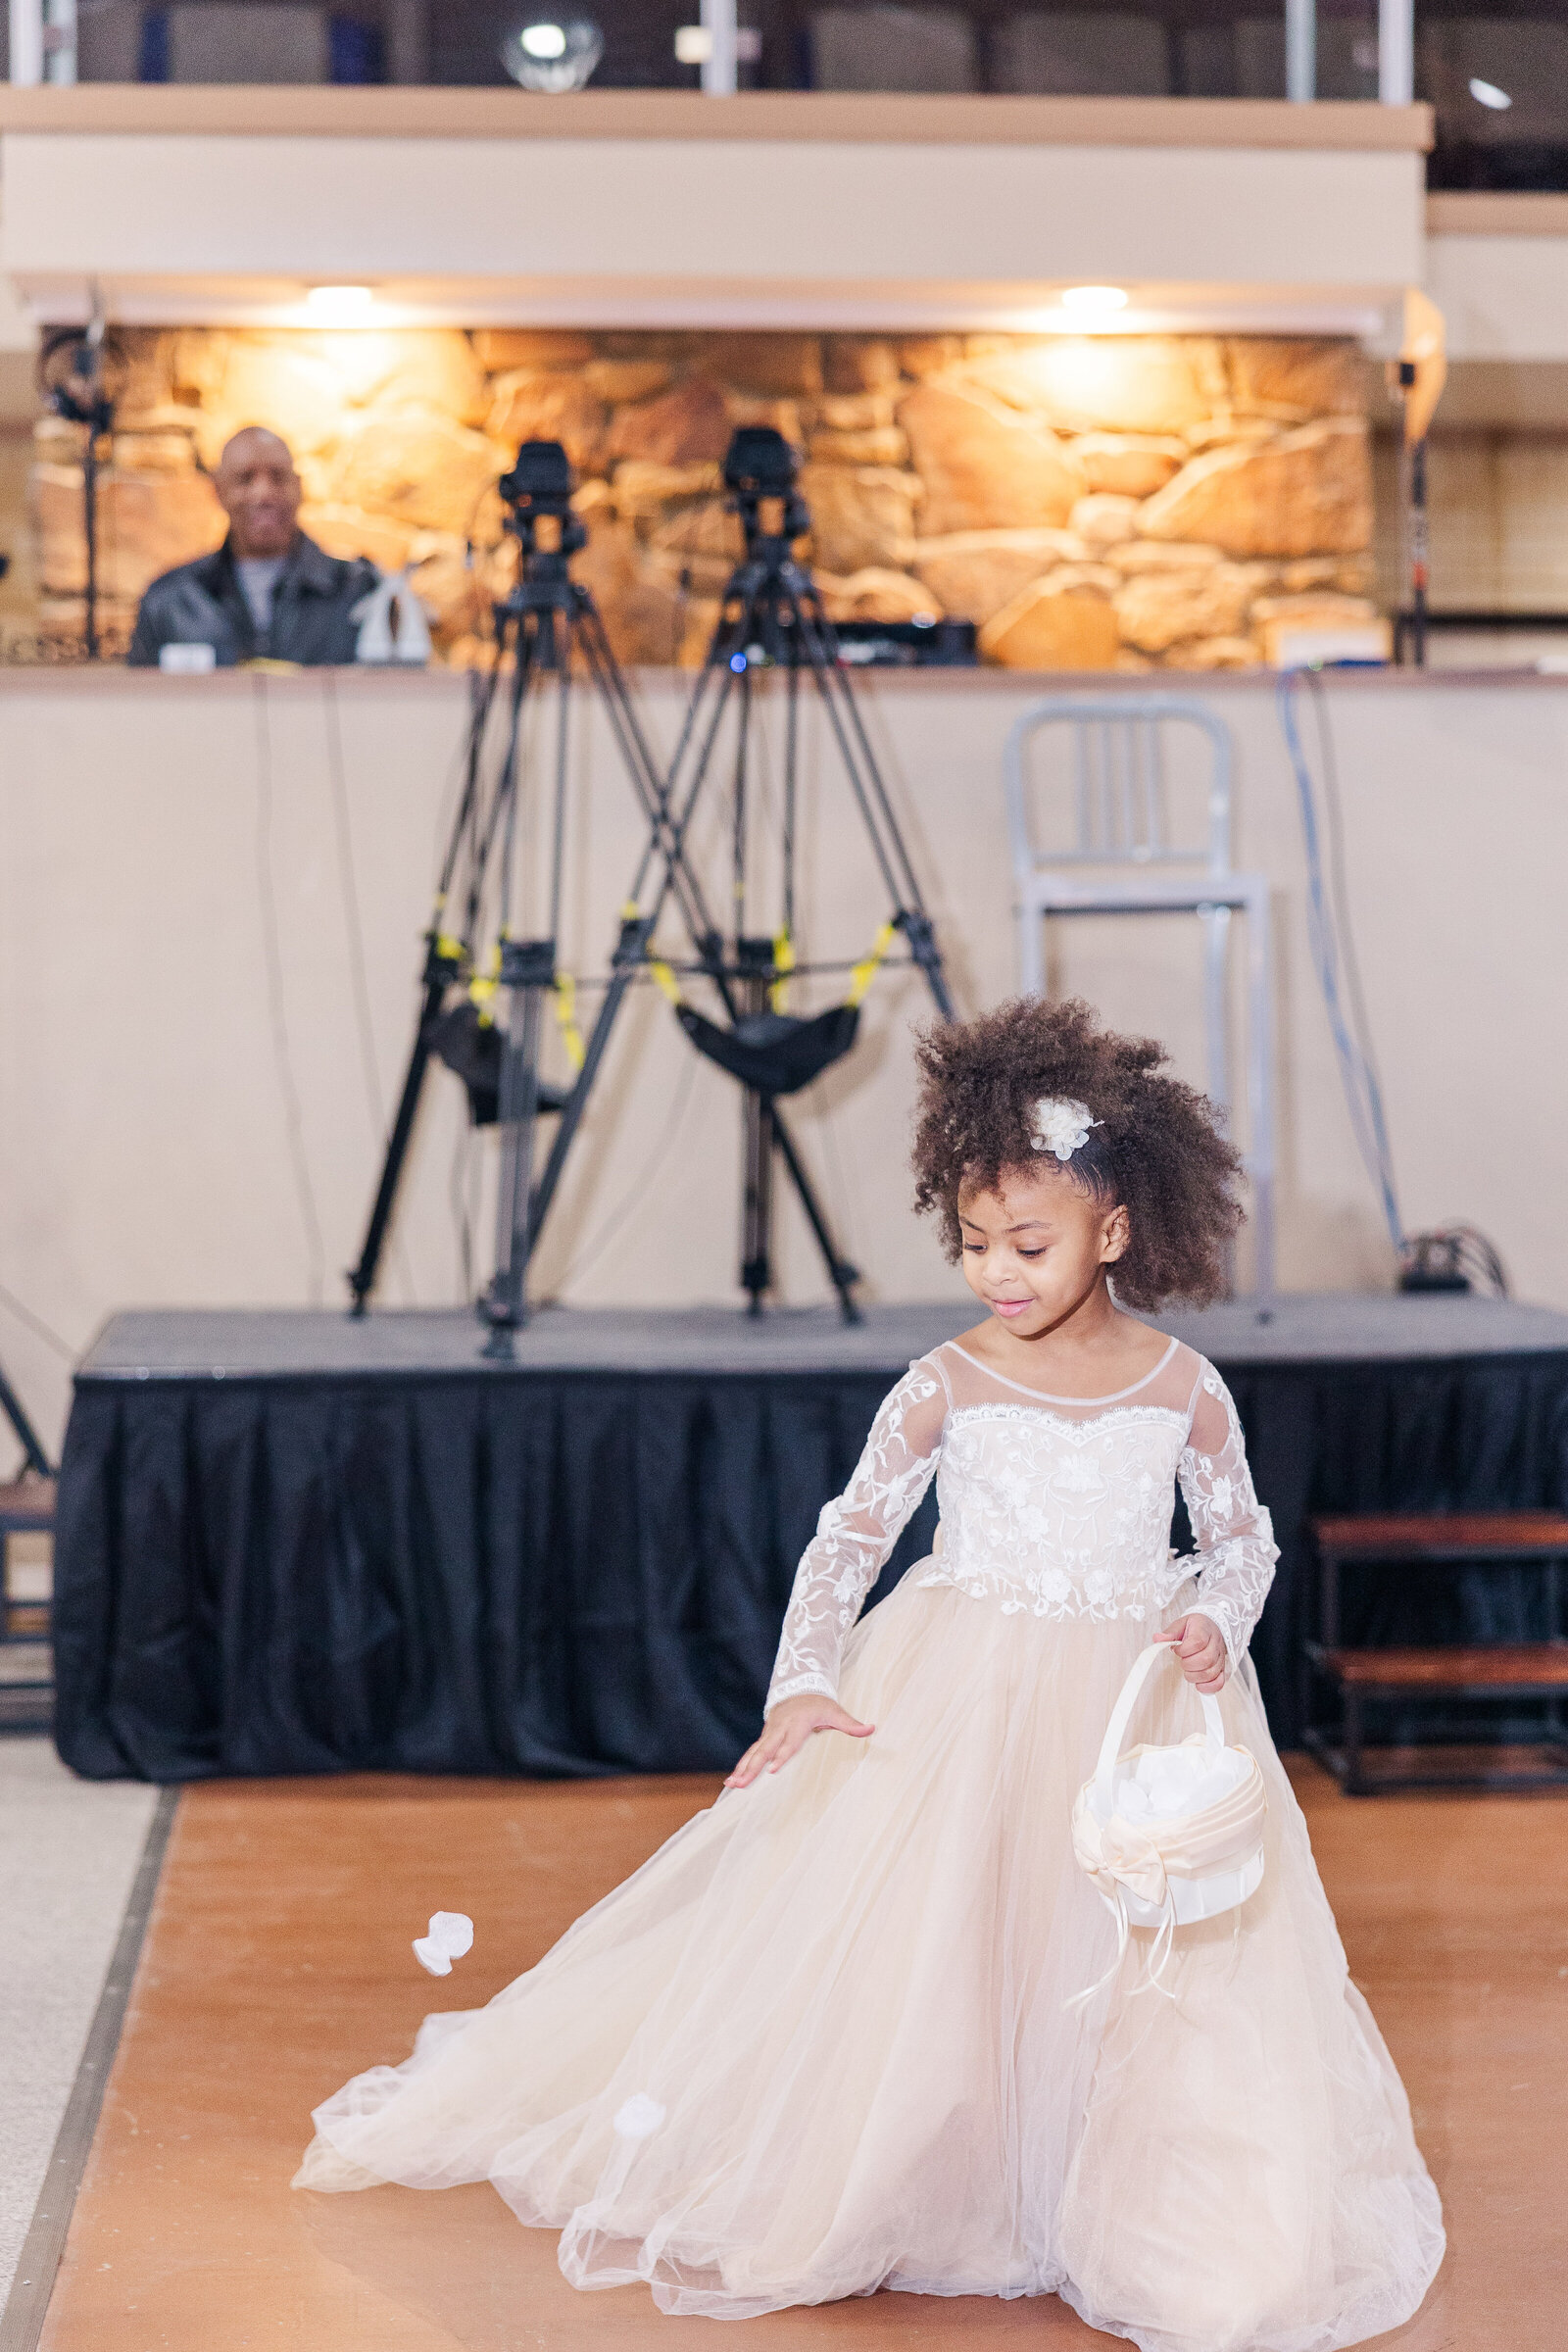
[[259, 492]]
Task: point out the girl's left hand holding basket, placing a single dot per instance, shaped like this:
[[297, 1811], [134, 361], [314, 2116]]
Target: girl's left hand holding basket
[[1200, 1649]]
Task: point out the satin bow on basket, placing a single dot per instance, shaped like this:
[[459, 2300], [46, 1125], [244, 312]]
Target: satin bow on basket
[[450, 1935], [1116, 1853]]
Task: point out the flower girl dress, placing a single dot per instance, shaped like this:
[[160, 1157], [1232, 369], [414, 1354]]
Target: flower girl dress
[[825, 2041]]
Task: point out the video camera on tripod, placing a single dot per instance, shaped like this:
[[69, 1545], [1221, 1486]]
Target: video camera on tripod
[[771, 619]]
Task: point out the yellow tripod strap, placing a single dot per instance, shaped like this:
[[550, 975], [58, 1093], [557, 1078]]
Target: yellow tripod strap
[[783, 964], [567, 1018], [482, 987], [866, 972]]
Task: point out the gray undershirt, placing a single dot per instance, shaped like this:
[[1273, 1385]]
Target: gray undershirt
[[258, 579]]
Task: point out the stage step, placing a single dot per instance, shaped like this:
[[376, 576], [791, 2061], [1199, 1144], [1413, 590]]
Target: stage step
[[27, 1664], [1494, 1671], [1441, 1534], [1465, 1671], [1499, 1767]]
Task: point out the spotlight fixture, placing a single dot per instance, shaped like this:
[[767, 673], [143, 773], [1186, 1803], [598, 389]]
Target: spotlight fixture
[[550, 56], [1487, 93], [1092, 301], [339, 305]]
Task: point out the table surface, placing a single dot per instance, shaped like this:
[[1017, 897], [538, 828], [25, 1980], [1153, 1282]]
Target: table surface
[[271, 1342]]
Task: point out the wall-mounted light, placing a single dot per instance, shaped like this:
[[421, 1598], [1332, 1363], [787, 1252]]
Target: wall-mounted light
[[339, 305], [694, 45], [1487, 93], [1094, 301]]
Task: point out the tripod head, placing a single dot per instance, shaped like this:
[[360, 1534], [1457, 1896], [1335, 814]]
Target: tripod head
[[537, 494], [759, 470]]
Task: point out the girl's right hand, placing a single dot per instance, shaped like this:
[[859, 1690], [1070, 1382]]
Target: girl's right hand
[[788, 1729]]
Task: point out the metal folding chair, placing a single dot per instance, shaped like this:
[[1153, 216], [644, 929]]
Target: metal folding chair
[[1123, 861]]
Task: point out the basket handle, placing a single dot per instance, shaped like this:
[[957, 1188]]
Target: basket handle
[[1122, 1715]]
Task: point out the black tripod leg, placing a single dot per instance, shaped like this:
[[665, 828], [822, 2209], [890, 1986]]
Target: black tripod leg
[[27, 1437], [505, 1308], [833, 685], [666, 847], [628, 962], [756, 1271], [440, 968], [362, 1281], [841, 1273], [915, 925]]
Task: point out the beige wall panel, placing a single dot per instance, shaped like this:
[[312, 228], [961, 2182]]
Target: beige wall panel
[[1502, 296], [164, 836], [700, 215]]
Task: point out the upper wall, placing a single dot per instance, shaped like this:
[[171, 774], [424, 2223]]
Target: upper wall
[[768, 208]]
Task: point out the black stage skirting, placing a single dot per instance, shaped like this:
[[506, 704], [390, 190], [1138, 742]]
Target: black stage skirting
[[289, 1542]]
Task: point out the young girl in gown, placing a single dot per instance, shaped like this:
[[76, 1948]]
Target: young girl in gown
[[827, 2039]]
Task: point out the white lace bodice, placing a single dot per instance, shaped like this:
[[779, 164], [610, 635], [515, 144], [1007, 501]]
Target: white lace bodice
[[1058, 1506]]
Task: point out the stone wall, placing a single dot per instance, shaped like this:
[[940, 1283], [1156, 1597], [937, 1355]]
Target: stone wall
[[1109, 502]]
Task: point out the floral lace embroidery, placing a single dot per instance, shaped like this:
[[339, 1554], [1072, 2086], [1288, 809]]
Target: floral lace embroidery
[[1041, 1512], [1232, 1531], [1062, 1518], [854, 1536]]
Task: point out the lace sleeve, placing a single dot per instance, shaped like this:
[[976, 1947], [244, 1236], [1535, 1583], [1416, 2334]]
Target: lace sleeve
[[856, 1532], [1232, 1531]]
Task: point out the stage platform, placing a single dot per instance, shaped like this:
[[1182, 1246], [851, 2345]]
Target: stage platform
[[271, 1342], [278, 1964], [292, 1541]]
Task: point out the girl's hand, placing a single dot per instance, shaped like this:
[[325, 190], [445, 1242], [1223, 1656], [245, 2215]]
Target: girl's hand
[[788, 1729], [1201, 1648]]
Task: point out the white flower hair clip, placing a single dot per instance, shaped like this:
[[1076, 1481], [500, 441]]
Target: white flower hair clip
[[451, 1936], [1060, 1125]]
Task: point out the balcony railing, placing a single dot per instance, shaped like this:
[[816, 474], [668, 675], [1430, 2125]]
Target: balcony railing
[[1495, 70]]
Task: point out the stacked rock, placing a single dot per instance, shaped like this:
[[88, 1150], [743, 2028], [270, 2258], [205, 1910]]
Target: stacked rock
[[1125, 501]]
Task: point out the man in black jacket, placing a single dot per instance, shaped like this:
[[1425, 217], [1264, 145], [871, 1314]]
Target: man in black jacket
[[269, 591]]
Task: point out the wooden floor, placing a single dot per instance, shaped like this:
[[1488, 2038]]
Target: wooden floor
[[278, 1964]]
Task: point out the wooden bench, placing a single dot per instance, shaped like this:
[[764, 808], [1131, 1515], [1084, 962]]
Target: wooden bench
[[1466, 1671], [26, 1507]]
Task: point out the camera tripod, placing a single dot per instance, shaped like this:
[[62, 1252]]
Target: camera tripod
[[771, 614], [543, 625], [773, 620]]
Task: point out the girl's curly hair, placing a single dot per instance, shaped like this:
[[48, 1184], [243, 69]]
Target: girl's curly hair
[[1157, 1150]]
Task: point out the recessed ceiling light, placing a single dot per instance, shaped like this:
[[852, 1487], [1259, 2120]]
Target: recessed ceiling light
[[1487, 93], [553, 57], [1093, 298], [339, 305]]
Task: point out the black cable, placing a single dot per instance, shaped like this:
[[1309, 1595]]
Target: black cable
[[1333, 828], [1362, 1095], [282, 1057]]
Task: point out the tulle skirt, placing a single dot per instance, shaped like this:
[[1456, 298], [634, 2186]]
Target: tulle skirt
[[820, 2043]]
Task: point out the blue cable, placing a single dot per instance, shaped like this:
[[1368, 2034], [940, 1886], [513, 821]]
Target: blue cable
[[1363, 1094]]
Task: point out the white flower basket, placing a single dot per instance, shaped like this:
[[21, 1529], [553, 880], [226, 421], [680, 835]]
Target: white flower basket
[[1169, 1836]]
